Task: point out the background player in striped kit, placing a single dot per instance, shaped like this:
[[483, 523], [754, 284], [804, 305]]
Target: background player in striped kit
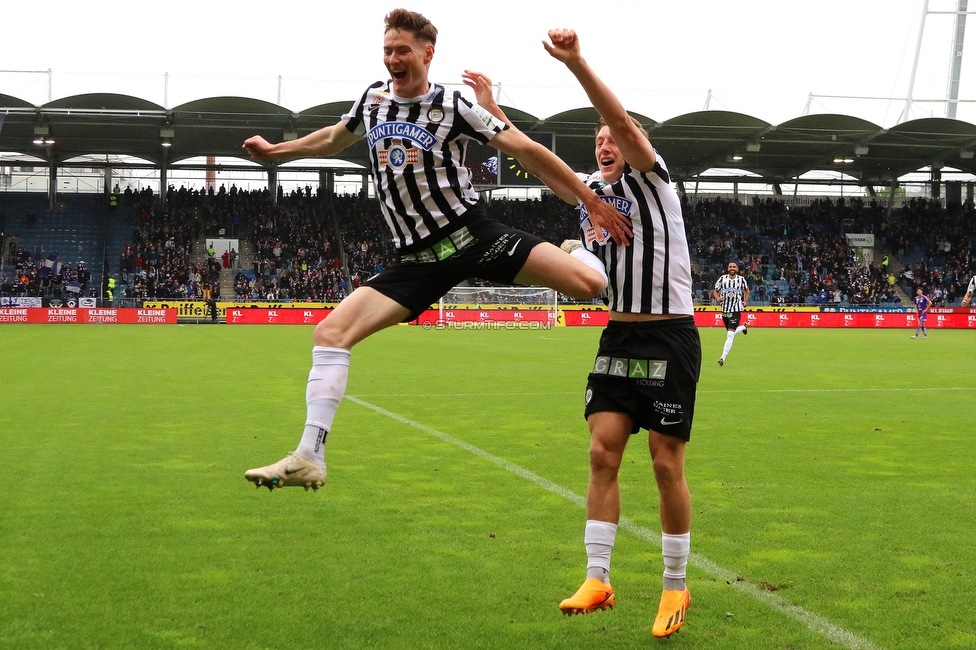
[[970, 292], [417, 134], [647, 367], [732, 291]]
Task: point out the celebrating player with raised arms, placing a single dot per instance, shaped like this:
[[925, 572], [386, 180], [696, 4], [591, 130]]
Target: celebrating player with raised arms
[[647, 366], [417, 133]]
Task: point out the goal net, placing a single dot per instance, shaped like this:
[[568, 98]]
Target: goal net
[[525, 303]]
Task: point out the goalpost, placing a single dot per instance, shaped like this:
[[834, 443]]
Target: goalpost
[[541, 303]]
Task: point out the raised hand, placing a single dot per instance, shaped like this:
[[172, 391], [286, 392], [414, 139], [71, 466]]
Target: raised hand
[[564, 45], [257, 147], [481, 85]]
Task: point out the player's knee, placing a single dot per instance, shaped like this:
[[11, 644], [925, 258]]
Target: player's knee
[[667, 470], [589, 284], [327, 335], [603, 461]]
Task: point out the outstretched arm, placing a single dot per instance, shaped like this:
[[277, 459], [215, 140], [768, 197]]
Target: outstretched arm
[[482, 93], [324, 142], [541, 162], [636, 149]]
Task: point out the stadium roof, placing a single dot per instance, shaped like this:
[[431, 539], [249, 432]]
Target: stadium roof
[[112, 124]]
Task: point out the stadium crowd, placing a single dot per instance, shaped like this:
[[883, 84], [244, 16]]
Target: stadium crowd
[[155, 265], [44, 276], [789, 255], [311, 247], [937, 247]]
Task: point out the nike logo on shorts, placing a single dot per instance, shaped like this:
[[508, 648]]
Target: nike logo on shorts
[[512, 250], [664, 422]]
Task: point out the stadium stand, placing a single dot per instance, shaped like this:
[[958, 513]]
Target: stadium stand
[[319, 248]]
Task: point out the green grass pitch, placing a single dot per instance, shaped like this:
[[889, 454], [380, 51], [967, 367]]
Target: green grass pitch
[[832, 476]]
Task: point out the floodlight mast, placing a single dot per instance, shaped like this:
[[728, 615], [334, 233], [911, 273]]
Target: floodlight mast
[[911, 81], [952, 99], [958, 39]]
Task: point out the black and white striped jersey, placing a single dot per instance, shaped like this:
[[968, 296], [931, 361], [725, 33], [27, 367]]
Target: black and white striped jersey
[[972, 286], [731, 291], [653, 274], [416, 149]]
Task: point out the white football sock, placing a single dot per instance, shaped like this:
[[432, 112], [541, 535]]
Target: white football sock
[[729, 340], [599, 538], [592, 261], [676, 549], [323, 393]]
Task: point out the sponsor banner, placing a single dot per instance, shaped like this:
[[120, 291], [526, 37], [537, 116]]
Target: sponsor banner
[[71, 302], [866, 308], [848, 319], [14, 314], [592, 317], [864, 240], [951, 319], [21, 301], [769, 309], [199, 309], [275, 316], [88, 316]]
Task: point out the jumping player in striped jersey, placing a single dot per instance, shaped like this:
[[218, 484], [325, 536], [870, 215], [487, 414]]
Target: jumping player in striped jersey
[[417, 134], [648, 363], [732, 291]]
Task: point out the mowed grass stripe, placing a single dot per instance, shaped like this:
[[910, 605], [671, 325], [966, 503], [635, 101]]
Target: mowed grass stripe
[[813, 621], [816, 471]]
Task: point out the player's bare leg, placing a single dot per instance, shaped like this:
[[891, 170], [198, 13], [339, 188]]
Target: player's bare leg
[[363, 313], [551, 267]]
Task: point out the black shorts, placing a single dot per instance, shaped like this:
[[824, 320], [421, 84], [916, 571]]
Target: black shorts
[[648, 370], [483, 248], [731, 319]]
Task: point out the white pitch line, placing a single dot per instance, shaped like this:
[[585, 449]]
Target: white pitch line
[[813, 621]]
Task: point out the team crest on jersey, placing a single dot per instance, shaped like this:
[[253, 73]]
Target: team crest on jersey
[[405, 138], [623, 206], [398, 156], [435, 115]]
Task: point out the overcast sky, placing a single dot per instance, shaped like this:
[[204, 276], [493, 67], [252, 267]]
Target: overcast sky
[[760, 57]]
